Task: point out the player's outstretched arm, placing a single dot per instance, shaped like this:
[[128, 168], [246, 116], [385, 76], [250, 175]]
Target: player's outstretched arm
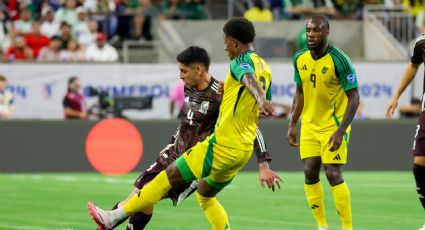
[[296, 110], [408, 76], [353, 103], [266, 175], [250, 82]]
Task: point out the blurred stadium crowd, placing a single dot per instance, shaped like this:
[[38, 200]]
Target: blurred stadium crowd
[[90, 30]]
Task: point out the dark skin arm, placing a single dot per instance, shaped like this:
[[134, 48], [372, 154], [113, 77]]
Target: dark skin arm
[[296, 110], [266, 175], [250, 82], [353, 103]]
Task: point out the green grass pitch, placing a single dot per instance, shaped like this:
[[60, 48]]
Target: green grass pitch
[[57, 201]]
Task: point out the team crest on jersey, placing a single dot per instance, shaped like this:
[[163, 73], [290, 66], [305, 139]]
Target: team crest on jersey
[[351, 78], [204, 107], [324, 70]]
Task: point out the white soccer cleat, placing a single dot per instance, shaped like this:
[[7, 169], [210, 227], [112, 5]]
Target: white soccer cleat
[[101, 217], [322, 228], [422, 228]]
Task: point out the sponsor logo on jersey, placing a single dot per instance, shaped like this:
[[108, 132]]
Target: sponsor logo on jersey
[[186, 100], [245, 66], [351, 78], [204, 107]]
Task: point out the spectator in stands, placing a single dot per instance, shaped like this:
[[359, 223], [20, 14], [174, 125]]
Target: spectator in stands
[[177, 97], [67, 12], [143, 16], [172, 9], [85, 39], [7, 100], [81, 25], [23, 25], [101, 11], [51, 53], [420, 21], [348, 9], [101, 51], [49, 26], [195, 10], [19, 51], [35, 40], [73, 53], [416, 6], [65, 34], [276, 7], [296, 9], [258, 13], [74, 106]]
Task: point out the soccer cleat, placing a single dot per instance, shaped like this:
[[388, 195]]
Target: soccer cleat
[[100, 217], [323, 228], [182, 196], [422, 228]]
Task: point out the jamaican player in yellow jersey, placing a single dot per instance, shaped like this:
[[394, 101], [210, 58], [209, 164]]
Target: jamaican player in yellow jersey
[[216, 160], [326, 99]]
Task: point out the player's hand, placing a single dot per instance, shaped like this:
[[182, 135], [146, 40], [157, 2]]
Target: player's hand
[[391, 107], [220, 87], [267, 108], [335, 141], [269, 177], [291, 136]]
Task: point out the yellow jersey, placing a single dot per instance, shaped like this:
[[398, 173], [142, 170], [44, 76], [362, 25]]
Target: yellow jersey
[[238, 118], [324, 82]]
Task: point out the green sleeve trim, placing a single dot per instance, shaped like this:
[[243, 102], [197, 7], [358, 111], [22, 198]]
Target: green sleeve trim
[[241, 65], [269, 93], [344, 69], [297, 77]]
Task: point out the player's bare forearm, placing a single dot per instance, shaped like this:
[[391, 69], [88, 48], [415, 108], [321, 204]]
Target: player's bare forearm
[[250, 82], [350, 111], [408, 75], [260, 149], [297, 106]]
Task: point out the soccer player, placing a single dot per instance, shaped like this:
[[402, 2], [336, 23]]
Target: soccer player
[[419, 143], [199, 114], [216, 160], [327, 99]]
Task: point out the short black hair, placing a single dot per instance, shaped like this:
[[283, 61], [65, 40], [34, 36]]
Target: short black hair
[[321, 18], [241, 29], [194, 54]]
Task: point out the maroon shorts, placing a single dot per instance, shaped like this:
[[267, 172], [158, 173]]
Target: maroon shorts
[[419, 143], [153, 170]]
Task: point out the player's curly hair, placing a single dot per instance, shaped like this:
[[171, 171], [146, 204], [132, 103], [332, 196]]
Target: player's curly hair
[[194, 54], [241, 29]]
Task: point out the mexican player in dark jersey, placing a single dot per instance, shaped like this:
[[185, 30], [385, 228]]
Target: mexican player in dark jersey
[[416, 60], [199, 114]]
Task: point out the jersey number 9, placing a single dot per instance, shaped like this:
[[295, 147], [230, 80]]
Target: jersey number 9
[[313, 79]]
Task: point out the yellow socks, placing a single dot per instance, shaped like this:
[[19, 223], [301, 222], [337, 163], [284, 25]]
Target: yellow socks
[[314, 194], [152, 193], [214, 212], [343, 204]]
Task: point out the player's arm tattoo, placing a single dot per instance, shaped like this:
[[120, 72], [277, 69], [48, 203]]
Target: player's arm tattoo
[[250, 82], [297, 106], [260, 148], [350, 111]]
